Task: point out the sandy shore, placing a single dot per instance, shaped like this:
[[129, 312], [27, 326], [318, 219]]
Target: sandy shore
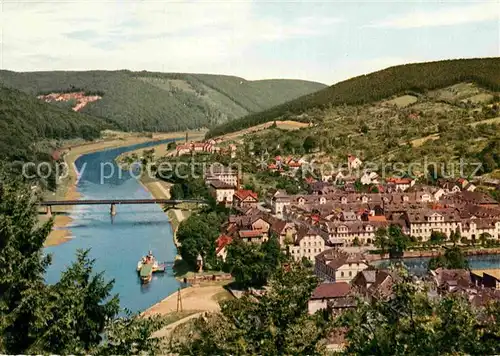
[[67, 188]]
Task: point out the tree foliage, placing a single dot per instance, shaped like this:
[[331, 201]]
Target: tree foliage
[[146, 101], [72, 316], [276, 323], [410, 323], [197, 235], [392, 240], [252, 264], [453, 258], [418, 77]]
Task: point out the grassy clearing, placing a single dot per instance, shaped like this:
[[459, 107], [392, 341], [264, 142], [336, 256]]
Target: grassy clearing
[[402, 101], [171, 318], [222, 295], [284, 125], [495, 120], [420, 141]]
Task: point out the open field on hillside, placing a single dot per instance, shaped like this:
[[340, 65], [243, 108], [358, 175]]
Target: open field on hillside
[[420, 141], [284, 125], [402, 101], [495, 120], [418, 78]]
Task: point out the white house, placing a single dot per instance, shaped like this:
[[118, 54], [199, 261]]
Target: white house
[[353, 162], [338, 266], [222, 192], [369, 178], [308, 243]]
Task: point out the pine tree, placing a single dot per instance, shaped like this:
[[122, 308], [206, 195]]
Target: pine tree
[[74, 315]]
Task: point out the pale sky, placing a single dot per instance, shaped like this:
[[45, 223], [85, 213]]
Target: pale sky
[[325, 41]]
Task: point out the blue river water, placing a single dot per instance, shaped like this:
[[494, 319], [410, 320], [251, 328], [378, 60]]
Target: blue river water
[[418, 265], [117, 244]]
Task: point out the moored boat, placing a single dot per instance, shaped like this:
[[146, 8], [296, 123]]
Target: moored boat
[[151, 260], [146, 273]]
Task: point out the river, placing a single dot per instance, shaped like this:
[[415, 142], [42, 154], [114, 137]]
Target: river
[[117, 244], [418, 265]]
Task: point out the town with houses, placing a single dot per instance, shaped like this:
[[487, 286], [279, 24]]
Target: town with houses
[[332, 224], [334, 227]]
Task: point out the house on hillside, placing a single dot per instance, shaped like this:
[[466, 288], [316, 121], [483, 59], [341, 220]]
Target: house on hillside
[[399, 184], [227, 175], [245, 199], [308, 242], [221, 246], [353, 162], [338, 266], [222, 192], [325, 293], [369, 178], [183, 150]]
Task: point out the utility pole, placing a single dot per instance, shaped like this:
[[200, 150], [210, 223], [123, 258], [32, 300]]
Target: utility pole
[[179, 300]]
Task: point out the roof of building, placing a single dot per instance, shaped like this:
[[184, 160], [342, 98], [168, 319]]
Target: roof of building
[[222, 241], [399, 180], [335, 258], [377, 218], [331, 290], [250, 233], [494, 272], [242, 194], [218, 184], [452, 277], [375, 282]]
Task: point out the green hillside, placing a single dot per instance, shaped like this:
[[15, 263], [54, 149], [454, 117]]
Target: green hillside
[[25, 120], [410, 78], [146, 101], [451, 130]]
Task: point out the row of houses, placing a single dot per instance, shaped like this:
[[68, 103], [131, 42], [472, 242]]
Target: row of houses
[[336, 297], [348, 216], [209, 147], [308, 224]]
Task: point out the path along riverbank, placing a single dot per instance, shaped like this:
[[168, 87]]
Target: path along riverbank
[[67, 189]]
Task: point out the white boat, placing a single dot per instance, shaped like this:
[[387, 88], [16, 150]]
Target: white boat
[[157, 267]]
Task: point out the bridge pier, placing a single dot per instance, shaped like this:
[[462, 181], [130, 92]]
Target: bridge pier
[[48, 211], [113, 209]]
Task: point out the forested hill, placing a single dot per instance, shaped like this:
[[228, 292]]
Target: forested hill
[[25, 120], [409, 78], [146, 101]]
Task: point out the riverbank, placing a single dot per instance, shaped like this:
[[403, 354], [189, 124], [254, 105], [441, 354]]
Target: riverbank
[[162, 149], [161, 190], [67, 188], [437, 252]]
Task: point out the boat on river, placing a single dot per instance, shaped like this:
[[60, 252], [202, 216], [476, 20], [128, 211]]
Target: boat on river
[[151, 261], [146, 273]]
